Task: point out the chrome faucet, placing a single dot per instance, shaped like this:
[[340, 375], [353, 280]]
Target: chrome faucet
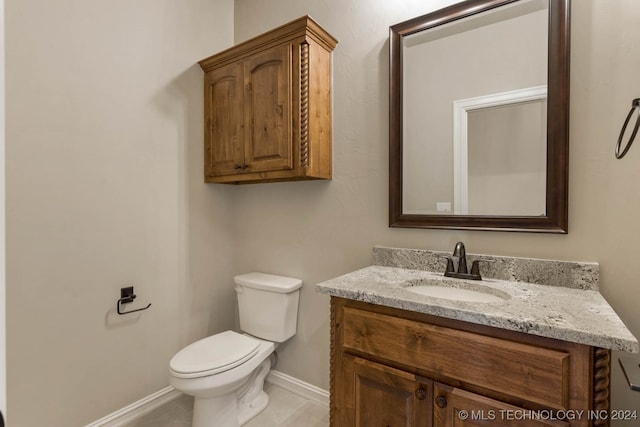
[[461, 272]]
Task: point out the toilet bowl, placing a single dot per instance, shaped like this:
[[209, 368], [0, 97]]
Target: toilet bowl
[[225, 372]]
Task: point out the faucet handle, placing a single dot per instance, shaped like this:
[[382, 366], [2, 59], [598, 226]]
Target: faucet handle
[[475, 266], [449, 259]]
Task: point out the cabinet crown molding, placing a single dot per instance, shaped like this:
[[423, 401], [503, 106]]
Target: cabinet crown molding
[[303, 27]]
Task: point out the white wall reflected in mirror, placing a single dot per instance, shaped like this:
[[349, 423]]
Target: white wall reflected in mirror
[[502, 50]]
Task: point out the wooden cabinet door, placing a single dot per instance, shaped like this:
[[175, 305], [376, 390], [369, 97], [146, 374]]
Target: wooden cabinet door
[[380, 396], [268, 103], [224, 121], [458, 408]]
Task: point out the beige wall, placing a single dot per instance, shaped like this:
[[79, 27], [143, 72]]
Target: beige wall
[[321, 229], [104, 189]]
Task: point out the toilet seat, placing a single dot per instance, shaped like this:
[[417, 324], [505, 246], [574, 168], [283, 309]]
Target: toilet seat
[[213, 355]]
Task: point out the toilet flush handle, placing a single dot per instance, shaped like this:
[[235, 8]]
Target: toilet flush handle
[[239, 289]]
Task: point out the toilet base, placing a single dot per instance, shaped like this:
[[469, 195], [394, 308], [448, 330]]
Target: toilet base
[[249, 411], [234, 409], [217, 411]]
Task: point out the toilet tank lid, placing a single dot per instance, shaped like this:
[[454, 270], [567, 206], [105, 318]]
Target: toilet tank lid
[[268, 282]]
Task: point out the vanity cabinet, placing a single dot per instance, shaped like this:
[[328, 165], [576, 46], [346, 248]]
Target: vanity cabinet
[[478, 410], [267, 107], [392, 367]]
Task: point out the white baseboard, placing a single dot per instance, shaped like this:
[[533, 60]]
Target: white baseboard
[[147, 404], [301, 388], [137, 409]]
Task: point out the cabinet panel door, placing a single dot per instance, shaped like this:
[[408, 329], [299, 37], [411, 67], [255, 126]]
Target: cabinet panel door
[[458, 408], [268, 110], [224, 121], [380, 396]]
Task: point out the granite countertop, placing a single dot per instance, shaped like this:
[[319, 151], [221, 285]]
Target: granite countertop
[[571, 313]]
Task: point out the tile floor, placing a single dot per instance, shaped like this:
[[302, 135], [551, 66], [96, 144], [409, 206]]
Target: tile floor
[[285, 409]]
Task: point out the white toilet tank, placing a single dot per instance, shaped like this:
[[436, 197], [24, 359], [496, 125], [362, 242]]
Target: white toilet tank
[[268, 305]]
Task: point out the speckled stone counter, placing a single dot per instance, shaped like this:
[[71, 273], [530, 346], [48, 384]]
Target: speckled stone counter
[[564, 303]]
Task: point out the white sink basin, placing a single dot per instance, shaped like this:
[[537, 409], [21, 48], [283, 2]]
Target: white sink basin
[[455, 290]]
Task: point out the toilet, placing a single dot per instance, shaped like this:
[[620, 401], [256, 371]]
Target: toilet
[[225, 372]]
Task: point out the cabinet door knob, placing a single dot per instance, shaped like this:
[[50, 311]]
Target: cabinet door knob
[[441, 402], [237, 166], [421, 394]]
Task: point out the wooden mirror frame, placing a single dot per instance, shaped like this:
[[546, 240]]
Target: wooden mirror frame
[[556, 218]]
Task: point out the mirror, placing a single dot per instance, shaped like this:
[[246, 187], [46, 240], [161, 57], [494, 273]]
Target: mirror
[[479, 117]]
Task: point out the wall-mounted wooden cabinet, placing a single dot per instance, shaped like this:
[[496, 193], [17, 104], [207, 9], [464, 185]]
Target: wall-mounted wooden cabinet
[[267, 107], [392, 367]]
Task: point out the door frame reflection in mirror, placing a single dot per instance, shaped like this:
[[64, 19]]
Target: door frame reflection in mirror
[[556, 218], [461, 109]]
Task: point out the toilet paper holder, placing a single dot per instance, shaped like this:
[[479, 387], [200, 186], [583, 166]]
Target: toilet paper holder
[[127, 296]]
